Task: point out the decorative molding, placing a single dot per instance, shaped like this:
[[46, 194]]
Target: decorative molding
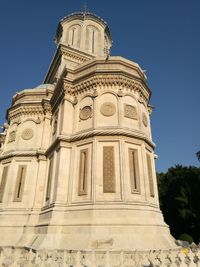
[[12, 154], [17, 121], [108, 109], [23, 110], [130, 112], [107, 80], [120, 93], [74, 55], [36, 121], [100, 132], [47, 110], [27, 134], [85, 113]]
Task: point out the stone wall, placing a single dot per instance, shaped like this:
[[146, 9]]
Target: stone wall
[[25, 257]]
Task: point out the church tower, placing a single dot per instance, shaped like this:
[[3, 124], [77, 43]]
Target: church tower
[[77, 168]]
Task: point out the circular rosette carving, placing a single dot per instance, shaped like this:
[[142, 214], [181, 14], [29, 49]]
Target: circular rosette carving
[[27, 134], [144, 120], [85, 113], [108, 109]]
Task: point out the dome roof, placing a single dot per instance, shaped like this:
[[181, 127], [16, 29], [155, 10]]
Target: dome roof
[[82, 16]]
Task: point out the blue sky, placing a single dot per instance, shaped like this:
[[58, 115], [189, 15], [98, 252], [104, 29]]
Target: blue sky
[[162, 36]]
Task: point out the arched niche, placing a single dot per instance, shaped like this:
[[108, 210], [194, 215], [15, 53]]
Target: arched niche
[[85, 113], [107, 110], [129, 112], [74, 35], [93, 39]]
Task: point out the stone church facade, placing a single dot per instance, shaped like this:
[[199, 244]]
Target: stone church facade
[[77, 167]]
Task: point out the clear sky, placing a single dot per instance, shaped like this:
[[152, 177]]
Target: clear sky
[[162, 36]]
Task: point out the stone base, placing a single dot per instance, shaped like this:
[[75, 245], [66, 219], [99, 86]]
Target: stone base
[[123, 229]]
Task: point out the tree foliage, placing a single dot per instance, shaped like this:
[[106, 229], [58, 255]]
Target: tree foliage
[[179, 193]]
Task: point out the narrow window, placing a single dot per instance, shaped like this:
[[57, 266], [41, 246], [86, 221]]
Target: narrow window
[[3, 182], [93, 35], [134, 171], [73, 32], [49, 181], [19, 187], [82, 189], [108, 170], [150, 175]]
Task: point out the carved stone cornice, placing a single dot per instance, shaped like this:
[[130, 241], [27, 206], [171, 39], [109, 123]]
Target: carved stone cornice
[[74, 55], [28, 109], [125, 84], [47, 110]]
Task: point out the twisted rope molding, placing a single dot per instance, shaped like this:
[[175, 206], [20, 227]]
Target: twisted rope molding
[[100, 132]]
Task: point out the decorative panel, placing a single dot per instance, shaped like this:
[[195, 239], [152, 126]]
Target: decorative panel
[[108, 109], [27, 134], [85, 113], [3, 182], [108, 170], [130, 112], [150, 175], [12, 136], [19, 187], [83, 172], [134, 171]]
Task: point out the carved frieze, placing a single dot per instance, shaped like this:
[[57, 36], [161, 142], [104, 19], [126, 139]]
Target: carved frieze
[[15, 113], [108, 109], [85, 113], [125, 83], [144, 119], [27, 134], [130, 112]]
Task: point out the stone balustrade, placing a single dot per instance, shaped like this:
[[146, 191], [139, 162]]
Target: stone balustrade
[[26, 257]]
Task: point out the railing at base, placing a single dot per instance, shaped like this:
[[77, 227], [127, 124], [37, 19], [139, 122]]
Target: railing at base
[[26, 257]]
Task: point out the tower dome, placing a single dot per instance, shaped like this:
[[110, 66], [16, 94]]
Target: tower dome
[[86, 32]]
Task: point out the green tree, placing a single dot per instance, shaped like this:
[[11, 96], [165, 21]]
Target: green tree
[[179, 192]]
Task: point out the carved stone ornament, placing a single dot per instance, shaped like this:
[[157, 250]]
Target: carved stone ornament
[[27, 134], [12, 136], [108, 109], [85, 113], [144, 120], [130, 112]]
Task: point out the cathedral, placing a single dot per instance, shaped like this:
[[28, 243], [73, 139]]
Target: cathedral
[[77, 162]]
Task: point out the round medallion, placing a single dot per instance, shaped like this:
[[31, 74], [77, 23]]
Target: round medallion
[[144, 120], [108, 109], [27, 134], [85, 113]]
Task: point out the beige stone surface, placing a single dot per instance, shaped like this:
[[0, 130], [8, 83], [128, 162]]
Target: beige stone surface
[[90, 103]]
